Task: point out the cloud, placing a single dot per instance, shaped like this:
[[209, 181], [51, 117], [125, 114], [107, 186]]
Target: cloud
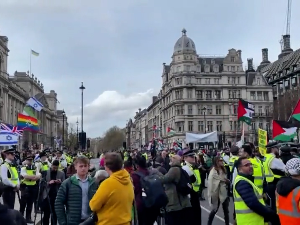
[[111, 108]]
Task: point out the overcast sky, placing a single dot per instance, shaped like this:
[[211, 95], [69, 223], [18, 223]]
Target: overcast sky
[[117, 47]]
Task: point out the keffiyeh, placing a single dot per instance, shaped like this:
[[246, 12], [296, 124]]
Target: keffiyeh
[[292, 167]]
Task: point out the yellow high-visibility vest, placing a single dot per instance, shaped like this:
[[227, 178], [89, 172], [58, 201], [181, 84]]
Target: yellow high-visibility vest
[[244, 215], [232, 161], [30, 170], [258, 173], [14, 175]]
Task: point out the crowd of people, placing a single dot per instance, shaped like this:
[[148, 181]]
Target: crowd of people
[[141, 187]]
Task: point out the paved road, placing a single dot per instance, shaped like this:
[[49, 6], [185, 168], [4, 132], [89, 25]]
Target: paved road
[[219, 218]]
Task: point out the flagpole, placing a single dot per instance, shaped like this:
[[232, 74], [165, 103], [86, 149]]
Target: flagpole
[[243, 133], [30, 64]]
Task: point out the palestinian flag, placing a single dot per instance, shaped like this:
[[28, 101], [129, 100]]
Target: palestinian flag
[[170, 131], [245, 111], [283, 131], [296, 112]]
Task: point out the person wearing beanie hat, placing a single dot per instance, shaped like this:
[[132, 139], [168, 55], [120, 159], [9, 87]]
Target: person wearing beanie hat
[[288, 194]]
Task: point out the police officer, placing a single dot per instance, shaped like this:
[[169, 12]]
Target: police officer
[[191, 168], [274, 169], [62, 161], [28, 187], [43, 164], [10, 178]]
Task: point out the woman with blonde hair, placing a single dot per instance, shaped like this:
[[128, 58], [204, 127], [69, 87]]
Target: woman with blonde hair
[[217, 190]]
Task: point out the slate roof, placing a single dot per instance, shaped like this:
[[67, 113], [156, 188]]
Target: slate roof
[[209, 61], [280, 65]]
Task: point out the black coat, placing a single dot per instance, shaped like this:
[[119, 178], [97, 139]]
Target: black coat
[[11, 216]]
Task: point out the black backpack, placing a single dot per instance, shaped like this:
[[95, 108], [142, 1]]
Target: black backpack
[[184, 186], [153, 192]]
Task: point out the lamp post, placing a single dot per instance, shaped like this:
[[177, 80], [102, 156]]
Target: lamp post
[[77, 133], [63, 128], [82, 89], [204, 112]]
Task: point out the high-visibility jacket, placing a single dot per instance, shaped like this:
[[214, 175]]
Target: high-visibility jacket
[[232, 161], [30, 170], [288, 207], [268, 172], [258, 173], [14, 176], [196, 185], [244, 215], [44, 166], [145, 155]]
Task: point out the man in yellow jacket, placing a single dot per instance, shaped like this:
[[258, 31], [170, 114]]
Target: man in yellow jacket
[[114, 198]]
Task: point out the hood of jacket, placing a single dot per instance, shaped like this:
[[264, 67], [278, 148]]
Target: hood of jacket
[[121, 176], [286, 185]]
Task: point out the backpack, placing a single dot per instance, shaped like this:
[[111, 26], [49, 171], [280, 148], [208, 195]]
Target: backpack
[[183, 186], [153, 192]]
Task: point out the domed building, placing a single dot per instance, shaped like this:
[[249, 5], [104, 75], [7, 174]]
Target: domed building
[[200, 94]]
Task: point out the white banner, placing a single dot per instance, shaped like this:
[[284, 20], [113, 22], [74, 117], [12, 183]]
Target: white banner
[[194, 138]]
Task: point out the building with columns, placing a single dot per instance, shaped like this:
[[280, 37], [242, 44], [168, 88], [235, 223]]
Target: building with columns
[[15, 90], [200, 93]]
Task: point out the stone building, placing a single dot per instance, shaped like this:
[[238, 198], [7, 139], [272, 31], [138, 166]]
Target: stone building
[[16, 90], [154, 118], [200, 93], [284, 76]]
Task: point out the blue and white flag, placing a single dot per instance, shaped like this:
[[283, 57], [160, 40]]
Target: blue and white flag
[[34, 103], [8, 138]]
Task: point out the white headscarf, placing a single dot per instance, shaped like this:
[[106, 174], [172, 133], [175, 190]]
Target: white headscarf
[[292, 167]]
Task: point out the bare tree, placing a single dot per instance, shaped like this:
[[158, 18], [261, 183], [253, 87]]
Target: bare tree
[[112, 140]]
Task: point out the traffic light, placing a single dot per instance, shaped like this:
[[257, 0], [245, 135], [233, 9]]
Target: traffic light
[[82, 139]]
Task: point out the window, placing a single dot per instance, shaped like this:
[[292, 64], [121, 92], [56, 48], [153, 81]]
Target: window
[[212, 62], [198, 69], [209, 126], [178, 81], [253, 126], [179, 126], [200, 107], [190, 109], [198, 80], [216, 80], [200, 126], [219, 125], [268, 126], [189, 93], [208, 94], [260, 125], [231, 125], [218, 110], [199, 94], [232, 59], [237, 125], [266, 96], [238, 94], [232, 68], [252, 95], [188, 80], [228, 80], [233, 80], [216, 68], [237, 80], [209, 110], [190, 125], [203, 109], [257, 81], [187, 68], [218, 94], [235, 109], [207, 81], [267, 110], [178, 94], [178, 68], [259, 96], [260, 111], [179, 110]]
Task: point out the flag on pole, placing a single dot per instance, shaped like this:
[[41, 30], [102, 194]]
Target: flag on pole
[[296, 112], [245, 111], [35, 53], [170, 131], [8, 138], [283, 131], [34, 103], [11, 128]]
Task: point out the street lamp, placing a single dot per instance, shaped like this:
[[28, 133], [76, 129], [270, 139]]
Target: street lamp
[[77, 133], [204, 112], [63, 128], [82, 89]]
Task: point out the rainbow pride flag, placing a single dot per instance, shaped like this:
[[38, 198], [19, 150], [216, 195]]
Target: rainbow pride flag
[[28, 123]]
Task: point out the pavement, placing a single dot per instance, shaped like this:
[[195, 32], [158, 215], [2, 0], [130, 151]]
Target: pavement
[[219, 218]]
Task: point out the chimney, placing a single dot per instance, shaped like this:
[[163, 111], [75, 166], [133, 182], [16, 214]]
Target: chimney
[[139, 110], [265, 55], [250, 64], [286, 42]]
